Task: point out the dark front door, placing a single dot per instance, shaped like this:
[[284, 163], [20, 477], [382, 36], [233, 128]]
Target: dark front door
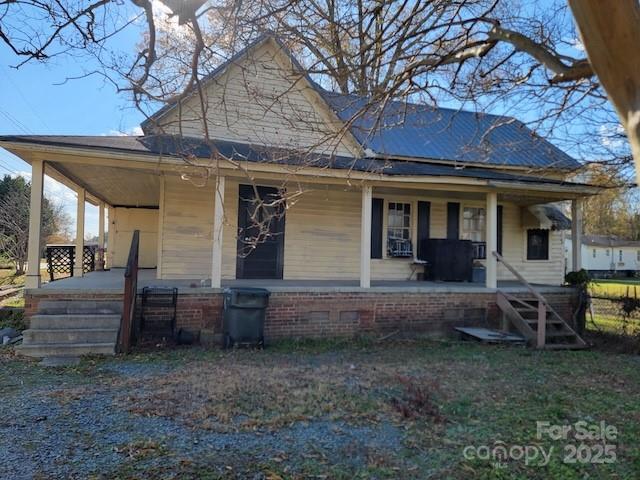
[[260, 233]]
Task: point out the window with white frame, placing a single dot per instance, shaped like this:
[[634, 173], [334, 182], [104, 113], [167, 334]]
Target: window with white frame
[[537, 244], [638, 256], [607, 250], [399, 230], [473, 224], [619, 255], [594, 253]]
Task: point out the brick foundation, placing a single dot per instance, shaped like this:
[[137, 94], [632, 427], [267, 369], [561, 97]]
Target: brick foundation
[[330, 314]]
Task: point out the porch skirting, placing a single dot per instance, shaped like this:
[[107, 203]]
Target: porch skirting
[[317, 314]]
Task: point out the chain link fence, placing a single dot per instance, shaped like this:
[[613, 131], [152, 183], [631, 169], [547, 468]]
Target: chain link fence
[[615, 315]]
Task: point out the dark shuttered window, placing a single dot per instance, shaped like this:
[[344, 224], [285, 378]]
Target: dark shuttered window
[[499, 229], [377, 208], [453, 221], [424, 215]]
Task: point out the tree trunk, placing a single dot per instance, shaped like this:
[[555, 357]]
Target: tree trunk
[[610, 33], [20, 270]]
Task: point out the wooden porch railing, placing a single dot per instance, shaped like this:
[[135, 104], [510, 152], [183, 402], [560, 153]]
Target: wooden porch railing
[[127, 331], [543, 305]]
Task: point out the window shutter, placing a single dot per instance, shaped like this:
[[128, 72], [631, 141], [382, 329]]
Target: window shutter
[[377, 205], [424, 215], [499, 245], [453, 221]]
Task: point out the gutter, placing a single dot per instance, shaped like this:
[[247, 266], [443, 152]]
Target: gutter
[[173, 163]]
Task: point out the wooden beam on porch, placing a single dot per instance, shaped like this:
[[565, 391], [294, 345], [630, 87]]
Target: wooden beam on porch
[[35, 225], [576, 234], [491, 219], [78, 267], [218, 224], [365, 237]]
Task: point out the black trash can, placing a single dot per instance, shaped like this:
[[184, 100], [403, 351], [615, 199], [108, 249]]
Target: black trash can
[[243, 316]]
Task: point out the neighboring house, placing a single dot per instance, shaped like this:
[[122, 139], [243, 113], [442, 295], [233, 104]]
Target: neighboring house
[[606, 255], [344, 256]]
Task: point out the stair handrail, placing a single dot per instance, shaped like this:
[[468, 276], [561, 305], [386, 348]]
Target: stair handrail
[[543, 305], [126, 334], [522, 280]]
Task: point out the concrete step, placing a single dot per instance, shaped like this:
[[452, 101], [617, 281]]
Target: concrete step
[[75, 321], [68, 335], [61, 307], [66, 349]]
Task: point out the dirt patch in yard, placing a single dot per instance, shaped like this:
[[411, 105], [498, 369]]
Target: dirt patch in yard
[[399, 410], [245, 391]]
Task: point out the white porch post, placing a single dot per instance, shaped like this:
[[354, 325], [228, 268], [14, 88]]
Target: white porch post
[[491, 230], [100, 252], [78, 270], [107, 247], [35, 225], [218, 223], [576, 234], [365, 238]]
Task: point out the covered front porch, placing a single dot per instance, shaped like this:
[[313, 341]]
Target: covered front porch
[[112, 281], [346, 251], [341, 226]]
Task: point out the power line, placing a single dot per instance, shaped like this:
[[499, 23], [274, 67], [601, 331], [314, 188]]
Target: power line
[[8, 169], [17, 123], [27, 102]]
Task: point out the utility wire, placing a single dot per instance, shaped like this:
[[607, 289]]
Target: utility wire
[[17, 123], [26, 101]]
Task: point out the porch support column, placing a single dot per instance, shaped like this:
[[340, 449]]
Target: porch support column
[[576, 234], [365, 238], [492, 239], [100, 252], [218, 224], [107, 245], [35, 225], [78, 270]]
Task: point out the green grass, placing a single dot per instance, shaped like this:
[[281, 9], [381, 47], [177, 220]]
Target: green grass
[[452, 395], [614, 288], [8, 277]]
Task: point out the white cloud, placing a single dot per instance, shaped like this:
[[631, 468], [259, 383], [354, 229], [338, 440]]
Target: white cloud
[[577, 44], [164, 19], [135, 131], [612, 136]]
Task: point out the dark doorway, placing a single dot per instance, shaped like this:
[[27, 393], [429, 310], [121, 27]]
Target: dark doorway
[[260, 233]]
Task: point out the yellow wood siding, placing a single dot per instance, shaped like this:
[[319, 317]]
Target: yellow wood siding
[[259, 100], [187, 227], [322, 234], [514, 249], [123, 223]]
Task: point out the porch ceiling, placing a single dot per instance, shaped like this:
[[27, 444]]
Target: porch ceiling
[[116, 186]]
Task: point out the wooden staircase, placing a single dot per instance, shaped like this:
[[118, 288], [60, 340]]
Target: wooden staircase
[[535, 318]]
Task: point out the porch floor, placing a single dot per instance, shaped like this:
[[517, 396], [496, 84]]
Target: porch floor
[[113, 281]]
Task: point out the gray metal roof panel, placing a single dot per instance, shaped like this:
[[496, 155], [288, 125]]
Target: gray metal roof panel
[[401, 129], [175, 146]]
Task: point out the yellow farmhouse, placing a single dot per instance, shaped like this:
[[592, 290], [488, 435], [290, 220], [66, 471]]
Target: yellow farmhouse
[[359, 215]]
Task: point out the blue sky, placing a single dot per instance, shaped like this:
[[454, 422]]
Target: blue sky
[[35, 99]]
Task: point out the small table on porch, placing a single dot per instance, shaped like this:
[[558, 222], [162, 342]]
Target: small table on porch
[[415, 265]]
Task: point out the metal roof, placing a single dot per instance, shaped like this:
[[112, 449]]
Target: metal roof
[[551, 214], [401, 129], [607, 241], [410, 130], [181, 147]]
